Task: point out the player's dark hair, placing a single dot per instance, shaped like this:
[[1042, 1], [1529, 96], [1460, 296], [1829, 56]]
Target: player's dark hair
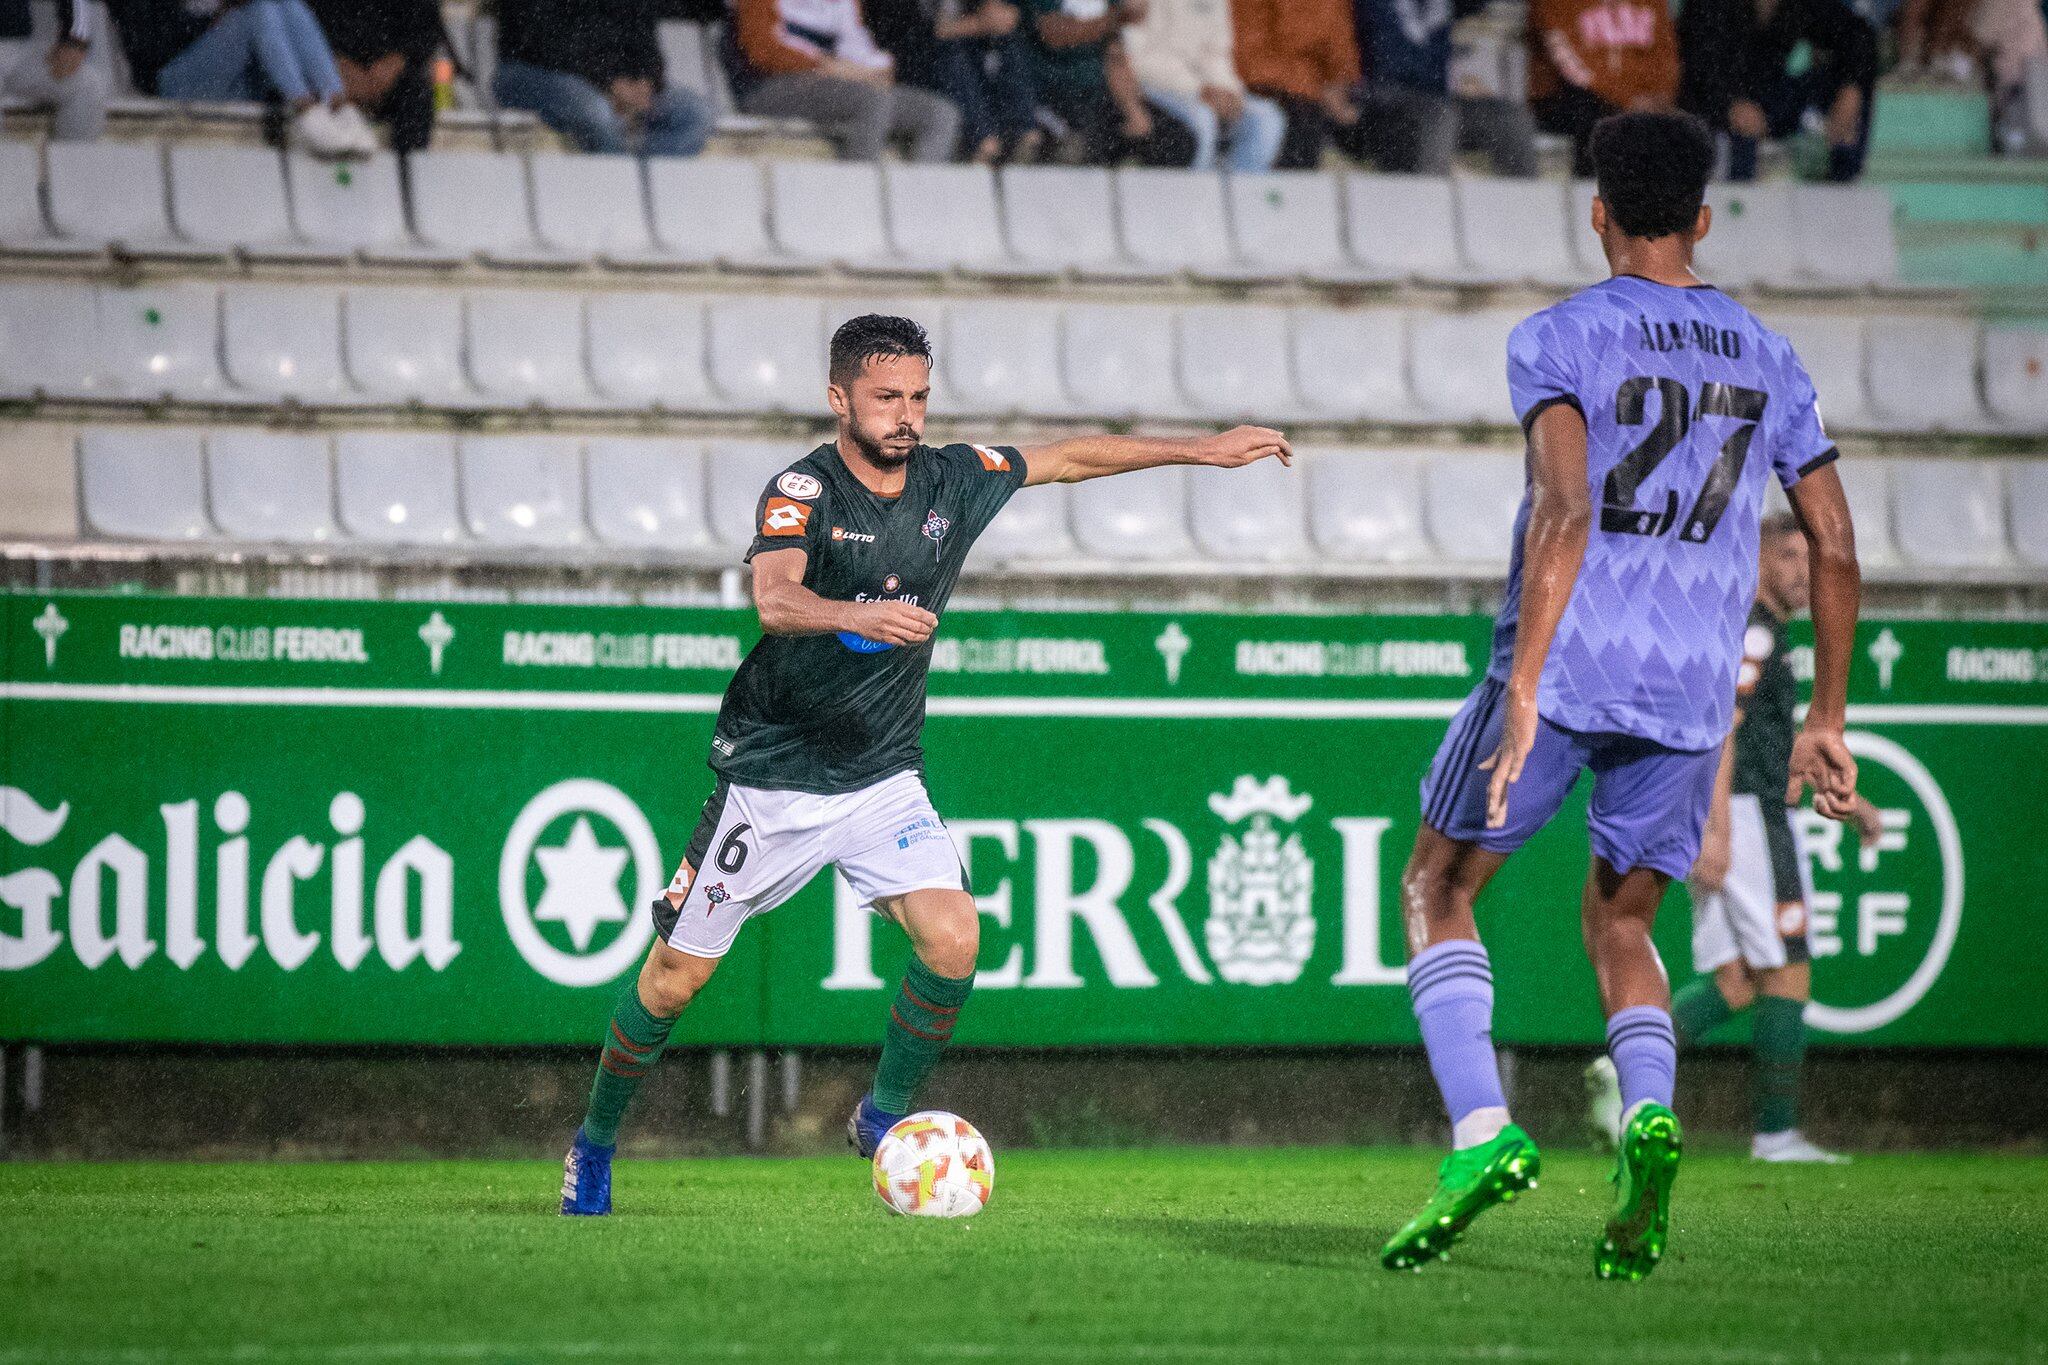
[[1652, 170], [874, 336], [1779, 524]]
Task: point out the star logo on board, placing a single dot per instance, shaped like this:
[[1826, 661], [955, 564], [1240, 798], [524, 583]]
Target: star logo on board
[[51, 625], [562, 863], [436, 633], [1173, 645], [1885, 652], [582, 884]]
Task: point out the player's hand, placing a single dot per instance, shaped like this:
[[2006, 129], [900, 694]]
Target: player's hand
[[891, 623], [1241, 446], [1517, 737], [1711, 868], [1868, 821], [1822, 761]]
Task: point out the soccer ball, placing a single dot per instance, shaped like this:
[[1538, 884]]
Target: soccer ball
[[934, 1165]]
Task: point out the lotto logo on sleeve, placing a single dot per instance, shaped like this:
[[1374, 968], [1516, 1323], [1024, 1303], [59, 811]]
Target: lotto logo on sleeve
[[993, 460], [785, 517]]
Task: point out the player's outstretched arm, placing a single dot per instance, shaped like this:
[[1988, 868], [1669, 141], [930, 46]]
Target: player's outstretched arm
[[1820, 758], [1091, 457], [787, 607], [1553, 547]]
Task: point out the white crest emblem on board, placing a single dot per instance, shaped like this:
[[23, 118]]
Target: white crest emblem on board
[[1261, 927]]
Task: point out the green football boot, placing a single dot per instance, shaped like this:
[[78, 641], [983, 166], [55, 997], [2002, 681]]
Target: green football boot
[[1644, 1170], [1471, 1181]]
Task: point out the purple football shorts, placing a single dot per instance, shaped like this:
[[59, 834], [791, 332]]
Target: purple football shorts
[[1649, 803]]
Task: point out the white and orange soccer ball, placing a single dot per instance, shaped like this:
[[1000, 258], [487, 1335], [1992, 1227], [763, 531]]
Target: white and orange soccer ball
[[934, 1165]]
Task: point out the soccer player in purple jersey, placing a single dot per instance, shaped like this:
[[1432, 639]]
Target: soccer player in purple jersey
[[1655, 406]]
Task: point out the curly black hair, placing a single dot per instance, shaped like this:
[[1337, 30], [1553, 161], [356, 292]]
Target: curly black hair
[[1652, 170]]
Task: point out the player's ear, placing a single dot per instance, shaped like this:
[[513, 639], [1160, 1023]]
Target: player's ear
[[837, 397], [1599, 216], [1701, 224]]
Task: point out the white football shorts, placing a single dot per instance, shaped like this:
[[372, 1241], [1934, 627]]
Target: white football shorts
[[1759, 912]]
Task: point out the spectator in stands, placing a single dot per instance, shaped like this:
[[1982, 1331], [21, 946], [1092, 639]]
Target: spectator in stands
[[55, 75], [1085, 79], [1303, 55], [817, 60], [385, 50], [1182, 53], [593, 72], [1738, 75], [245, 50], [1409, 119], [973, 53], [1592, 58]]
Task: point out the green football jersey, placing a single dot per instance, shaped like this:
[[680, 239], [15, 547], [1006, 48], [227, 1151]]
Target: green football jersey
[[836, 713], [1767, 694]]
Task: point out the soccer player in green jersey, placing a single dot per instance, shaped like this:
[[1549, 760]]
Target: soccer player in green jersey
[[1749, 888], [856, 550]]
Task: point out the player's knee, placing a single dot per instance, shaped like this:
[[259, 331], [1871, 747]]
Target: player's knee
[[951, 941], [670, 980]]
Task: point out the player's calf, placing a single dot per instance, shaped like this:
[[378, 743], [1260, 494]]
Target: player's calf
[[945, 936]]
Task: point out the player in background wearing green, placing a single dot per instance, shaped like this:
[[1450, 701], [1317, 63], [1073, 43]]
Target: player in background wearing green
[[856, 550], [1749, 888]]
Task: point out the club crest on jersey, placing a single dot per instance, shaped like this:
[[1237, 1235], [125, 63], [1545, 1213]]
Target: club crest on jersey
[[798, 484], [785, 518], [935, 528], [891, 583]]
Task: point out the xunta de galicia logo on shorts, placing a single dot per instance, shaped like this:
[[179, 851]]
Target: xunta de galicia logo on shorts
[[579, 865]]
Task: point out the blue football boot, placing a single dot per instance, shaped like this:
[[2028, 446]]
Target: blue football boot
[[868, 1125], [587, 1178]]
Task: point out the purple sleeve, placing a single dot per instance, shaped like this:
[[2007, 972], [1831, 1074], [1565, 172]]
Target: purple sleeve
[[1538, 368], [1799, 444]]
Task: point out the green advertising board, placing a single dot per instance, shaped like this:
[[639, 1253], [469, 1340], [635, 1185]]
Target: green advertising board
[[365, 822]]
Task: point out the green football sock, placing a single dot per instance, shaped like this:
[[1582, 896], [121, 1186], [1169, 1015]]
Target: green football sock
[[1698, 1008], [920, 1026], [1778, 1039], [632, 1043]]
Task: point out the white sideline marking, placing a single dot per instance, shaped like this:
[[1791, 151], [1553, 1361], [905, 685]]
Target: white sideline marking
[[261, 1354]]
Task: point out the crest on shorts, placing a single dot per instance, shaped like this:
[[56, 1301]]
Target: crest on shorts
[[1261, 927], [935, 528], [717, 895]]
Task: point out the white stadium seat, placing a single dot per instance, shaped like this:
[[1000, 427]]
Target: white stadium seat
[[235, 196], [356, 206], [1469, 504], [397, 487], [1232, 362], [712, 210], [1404, 226], [1922, 374], [945, 217], [475, 204], [50, 343], [1751, 239], [111, 194], [850, 233], [1064, 218], [2026, 494], [143, 483], [1134, 517], [1352, 364], [2016, 376], [163, 341], [269, 486], [1365, 506], [1032, 528], [1117, 360], [740, 471], [768, 352], [1867, 484], [1950, 514], [405, 346], [1515, 230], [1460, 365], [1002, 359], [22, 226], [590, 207], [647, 351], [1174, 220], [522, 490], [284, 342], [648, 494], [1292, 222], [1843, 237], [1579, 234], [1833, 351], [1254, 514], [526, 347]]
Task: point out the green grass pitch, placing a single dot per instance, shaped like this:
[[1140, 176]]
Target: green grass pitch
[[1213, 1254]]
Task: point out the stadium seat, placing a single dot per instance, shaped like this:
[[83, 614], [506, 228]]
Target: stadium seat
[[50, 343], [23, 230], [1292, 222], [1579, 234], [1365, 506], [475, 204], [647, 351], [1117, 360], [163, 341], [945, 218], [1256, 514], [1514, 230], [767, 352], [2016, 376], [1922, 374], [397, 487], [1950, 514], [683, 55], [1832, 350], [1134, 517], [1002, 359], [1062, 218], [522, 490], [284, 342], [356, 206], [590, 207], [1751, 239], [1032, 528], [235, 196], [1352, 364], [525, 348], [143, 483], [405, 346], [849, 233], [648, 494], [111, 194], [1867, 484], [740, 471], [1469, 503], [1174, 221], [1459, 361], [1842, 236], [1404, 226], [1232, 362], [2026, 497], [713, 210], [269, 486]]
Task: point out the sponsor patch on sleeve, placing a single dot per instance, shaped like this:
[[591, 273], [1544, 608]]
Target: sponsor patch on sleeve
[[993, 460], [785, 517]]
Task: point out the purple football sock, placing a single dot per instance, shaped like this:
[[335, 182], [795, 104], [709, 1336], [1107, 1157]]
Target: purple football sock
[[1452, 985], [1645, 1053]]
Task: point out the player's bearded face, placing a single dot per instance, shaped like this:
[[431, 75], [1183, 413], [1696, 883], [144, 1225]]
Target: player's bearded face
[[885, 408]]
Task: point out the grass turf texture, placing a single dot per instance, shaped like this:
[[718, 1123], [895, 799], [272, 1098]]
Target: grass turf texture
[[1166, 1255]]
